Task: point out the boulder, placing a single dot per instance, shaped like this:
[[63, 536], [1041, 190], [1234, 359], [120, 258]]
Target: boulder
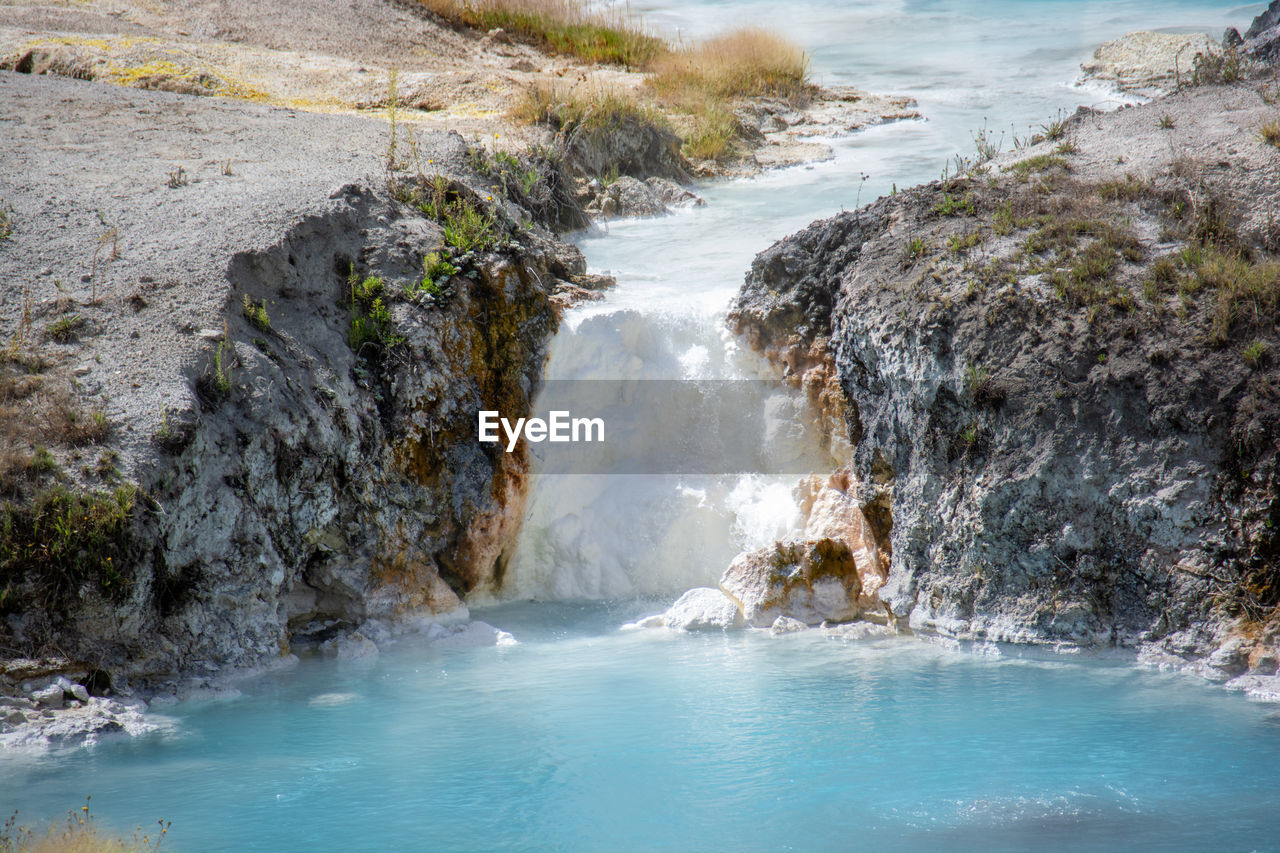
[[352, 647], [1268, 20], [1262, 39], [832, 509], [813, 581], [1148, 64], [628, 197], [48, 697], [672, 194], [786, 625], [73, 690], [1228, 660], [703, 609]]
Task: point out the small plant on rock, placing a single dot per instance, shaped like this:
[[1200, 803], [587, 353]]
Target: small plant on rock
[[222, 368], [370, 317], [66, 329], [953, 206], [467, 229], [256, 314], [1054, 130], [1254, 354], [913, 250], [436, 270]]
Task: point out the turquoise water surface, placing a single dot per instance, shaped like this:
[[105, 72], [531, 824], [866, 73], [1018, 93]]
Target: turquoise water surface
[[584, 737]]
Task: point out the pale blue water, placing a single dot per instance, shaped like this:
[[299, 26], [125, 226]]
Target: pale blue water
[[584, 737]]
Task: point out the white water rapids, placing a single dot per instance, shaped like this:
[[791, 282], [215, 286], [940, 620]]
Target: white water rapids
[[594, 536]]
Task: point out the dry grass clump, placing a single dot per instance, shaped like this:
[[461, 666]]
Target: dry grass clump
[[711, 136], [700, 83], [564, 26], [77, 835], [742, 63], [1248, 291], [561, 108], [1269, 132], [704, 80], [37, 411]]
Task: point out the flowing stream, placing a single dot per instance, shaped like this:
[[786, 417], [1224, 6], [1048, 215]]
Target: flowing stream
[[585, 737]]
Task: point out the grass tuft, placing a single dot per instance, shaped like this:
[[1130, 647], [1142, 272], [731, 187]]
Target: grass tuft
[[78, 835], [1247, 291], [562, 108], [256, 314], [1254, 354], [712, 137], [568, 27], [742, 63], [1269, 133]]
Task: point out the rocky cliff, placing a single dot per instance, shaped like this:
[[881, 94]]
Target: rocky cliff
[[1059, 376], [241, 378]]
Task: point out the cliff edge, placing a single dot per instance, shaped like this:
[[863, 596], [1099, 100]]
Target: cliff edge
[[1060, 376]]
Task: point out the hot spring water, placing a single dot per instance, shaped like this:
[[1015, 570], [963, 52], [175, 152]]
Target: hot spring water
[[585, 737]]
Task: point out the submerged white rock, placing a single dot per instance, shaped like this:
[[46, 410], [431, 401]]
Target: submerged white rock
[[699, 609], [470, 635], [858, 631]]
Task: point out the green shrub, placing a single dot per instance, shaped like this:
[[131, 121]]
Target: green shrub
[[62, 540], [370, 317], [1226, 67], [436, 270], [952, 206]]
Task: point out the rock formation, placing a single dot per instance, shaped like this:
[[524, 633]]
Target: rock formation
[[1057, 384], [285, 355]]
